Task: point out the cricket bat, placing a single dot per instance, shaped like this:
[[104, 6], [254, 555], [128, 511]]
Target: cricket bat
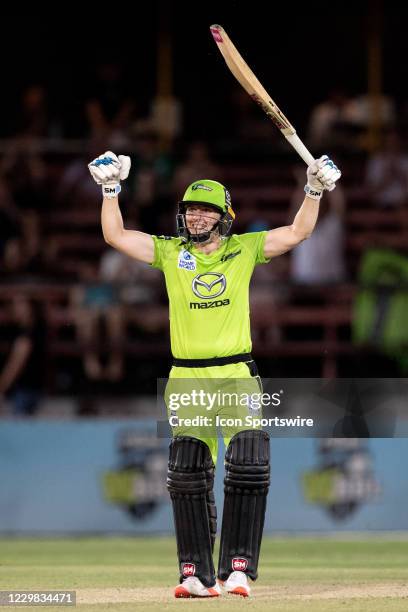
[[250, 83]]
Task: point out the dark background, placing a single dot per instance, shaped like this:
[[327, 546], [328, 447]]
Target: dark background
[[298, 51]]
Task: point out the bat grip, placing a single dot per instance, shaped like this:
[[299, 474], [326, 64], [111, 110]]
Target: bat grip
[[300, 148]]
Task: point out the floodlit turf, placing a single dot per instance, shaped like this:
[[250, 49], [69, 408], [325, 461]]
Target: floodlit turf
[[133, 574]]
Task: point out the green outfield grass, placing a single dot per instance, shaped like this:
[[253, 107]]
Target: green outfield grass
[[134, 574]]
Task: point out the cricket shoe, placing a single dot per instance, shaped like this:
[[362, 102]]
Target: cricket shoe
[[237, 584], [193, 587]]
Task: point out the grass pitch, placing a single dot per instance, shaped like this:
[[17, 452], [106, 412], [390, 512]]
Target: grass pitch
[[322, 575]]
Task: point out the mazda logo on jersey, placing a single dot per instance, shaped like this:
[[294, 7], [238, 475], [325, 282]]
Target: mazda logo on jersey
[[209, 285]]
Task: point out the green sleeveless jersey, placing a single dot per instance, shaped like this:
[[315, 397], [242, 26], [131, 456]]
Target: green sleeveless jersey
[[209, 294]]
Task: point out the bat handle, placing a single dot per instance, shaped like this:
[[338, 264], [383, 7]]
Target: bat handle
[[298, 145]]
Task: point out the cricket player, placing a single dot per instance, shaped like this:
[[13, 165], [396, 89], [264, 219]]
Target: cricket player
[[207, 273]]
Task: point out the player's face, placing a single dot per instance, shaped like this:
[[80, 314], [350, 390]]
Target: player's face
[[200, 218]]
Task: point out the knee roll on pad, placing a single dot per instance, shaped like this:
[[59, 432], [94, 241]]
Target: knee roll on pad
[[246, 485], [190, 480]]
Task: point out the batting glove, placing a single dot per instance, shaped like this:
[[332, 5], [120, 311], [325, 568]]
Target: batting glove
[[321, 175], [108, 170]]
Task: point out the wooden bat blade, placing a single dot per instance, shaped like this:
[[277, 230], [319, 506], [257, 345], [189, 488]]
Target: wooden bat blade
[[248, 80], [258, 93]]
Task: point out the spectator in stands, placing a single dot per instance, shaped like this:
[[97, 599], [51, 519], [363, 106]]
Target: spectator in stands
[[134, 279], [99, 322], [150, 178], [197, 163], [268, 291], [166, 118], [23, 164], [10, 229], [258, 218], [361, 110], [26, 255], [248, 124], [320, 259], [33, 119], [140, 290], [387, 173], [328, 121], [342, 122], [21, 378], [110, 106], [27, 174], [380, 314], [75, 189]]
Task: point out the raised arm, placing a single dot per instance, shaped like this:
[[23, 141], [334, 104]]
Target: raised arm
[[138, 245], [107, 170], [322, 175]]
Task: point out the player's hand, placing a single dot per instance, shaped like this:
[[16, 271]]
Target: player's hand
[[321, 175], [108, 170]]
